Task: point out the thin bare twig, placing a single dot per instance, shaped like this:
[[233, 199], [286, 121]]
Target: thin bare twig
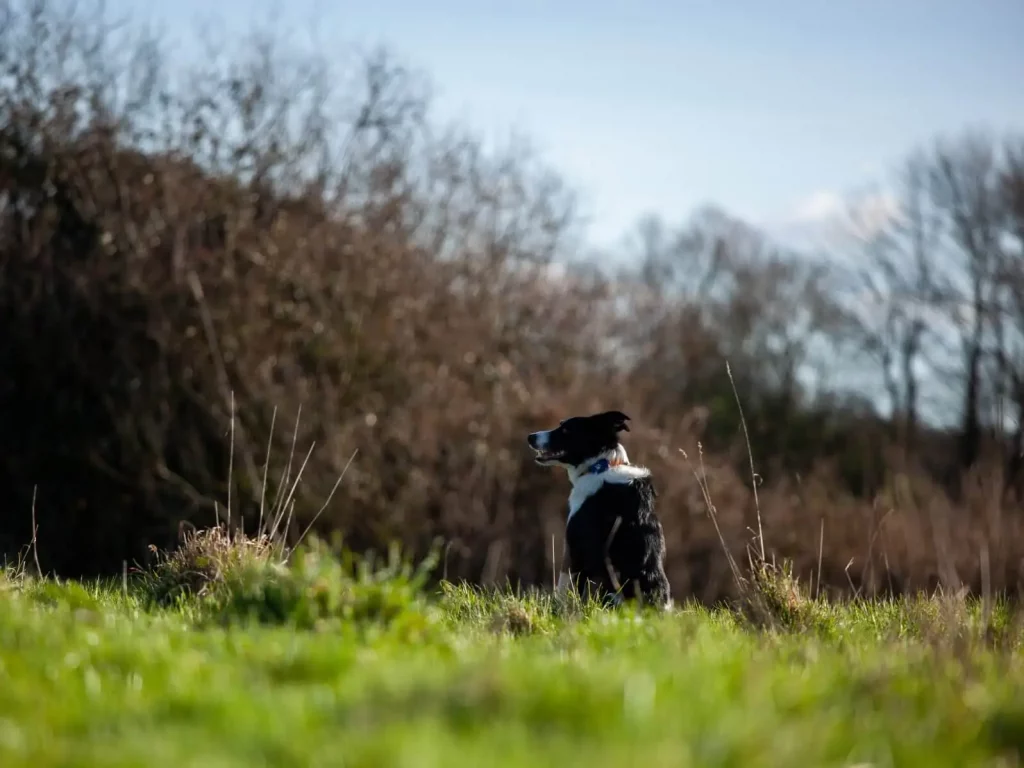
[[821, 545], [35, 533], [288, 505], [750, 456], [554, 566], [713, 514], [266, 470], [286, 477], [328, 501], [231, 457]]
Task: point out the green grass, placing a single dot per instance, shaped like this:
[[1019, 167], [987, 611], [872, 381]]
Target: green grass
[[324, 663]]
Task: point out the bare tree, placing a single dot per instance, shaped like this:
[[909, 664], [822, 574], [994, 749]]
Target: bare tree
[[964, 187], [900, 284], [1011, 190]]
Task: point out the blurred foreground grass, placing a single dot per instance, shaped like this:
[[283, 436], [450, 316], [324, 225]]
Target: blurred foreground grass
[[309, 665]]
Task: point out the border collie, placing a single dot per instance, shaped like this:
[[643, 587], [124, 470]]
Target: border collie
[[614, 544]]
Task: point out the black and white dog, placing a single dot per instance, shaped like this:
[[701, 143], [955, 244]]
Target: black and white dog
[[615, 546]]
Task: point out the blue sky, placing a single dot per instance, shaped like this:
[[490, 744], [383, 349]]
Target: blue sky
[[769, 108]]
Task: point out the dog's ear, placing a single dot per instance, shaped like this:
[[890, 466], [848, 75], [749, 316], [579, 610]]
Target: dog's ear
[[616, 419]]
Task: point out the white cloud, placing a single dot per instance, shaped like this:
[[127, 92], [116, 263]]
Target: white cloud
[[820, 206], [870, 214], [829, 219]]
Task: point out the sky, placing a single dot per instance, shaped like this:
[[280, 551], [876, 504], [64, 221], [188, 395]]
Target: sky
[[774, 110]]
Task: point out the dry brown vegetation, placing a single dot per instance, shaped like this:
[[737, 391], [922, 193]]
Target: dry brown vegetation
[[265, 250]]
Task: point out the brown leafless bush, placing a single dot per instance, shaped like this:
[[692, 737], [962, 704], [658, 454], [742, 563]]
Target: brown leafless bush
[[173, 250]]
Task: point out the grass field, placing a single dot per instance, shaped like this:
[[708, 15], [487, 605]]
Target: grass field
[[319, 664]]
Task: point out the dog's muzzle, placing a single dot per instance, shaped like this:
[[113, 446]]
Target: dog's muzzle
[[540, 443]]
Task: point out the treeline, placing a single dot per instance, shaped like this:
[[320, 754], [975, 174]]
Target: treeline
[[261, 253]]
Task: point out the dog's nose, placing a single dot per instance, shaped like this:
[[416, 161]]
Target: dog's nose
[[539, 440]]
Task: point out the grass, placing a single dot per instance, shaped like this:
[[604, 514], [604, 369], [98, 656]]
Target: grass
[[328, 661]]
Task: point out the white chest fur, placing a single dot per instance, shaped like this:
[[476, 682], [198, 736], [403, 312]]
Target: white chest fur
[[585, 486]]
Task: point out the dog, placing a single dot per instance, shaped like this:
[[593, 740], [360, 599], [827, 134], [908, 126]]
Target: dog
[[614, 543]]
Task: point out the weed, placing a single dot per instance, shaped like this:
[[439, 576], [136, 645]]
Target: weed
[[319, 587], [205, 560]]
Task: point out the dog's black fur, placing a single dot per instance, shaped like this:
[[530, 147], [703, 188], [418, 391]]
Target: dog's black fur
[[614, 540]]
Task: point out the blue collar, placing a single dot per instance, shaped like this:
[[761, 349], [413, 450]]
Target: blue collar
[[598, 467]]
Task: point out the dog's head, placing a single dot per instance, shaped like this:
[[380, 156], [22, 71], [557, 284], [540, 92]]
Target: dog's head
[[578, 439]]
